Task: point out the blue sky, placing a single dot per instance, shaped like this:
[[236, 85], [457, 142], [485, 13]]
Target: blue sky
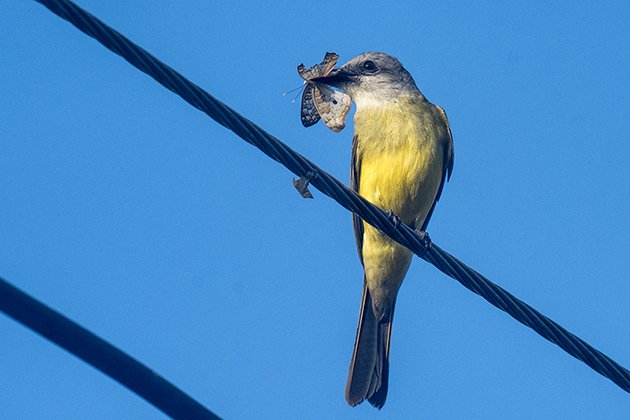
[[135, 215]]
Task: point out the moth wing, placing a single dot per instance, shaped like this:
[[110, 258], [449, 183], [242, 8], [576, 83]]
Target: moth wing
[[308, 112], [333, 106], [326, 66], [306, 73], [331, 102], [319, 70]]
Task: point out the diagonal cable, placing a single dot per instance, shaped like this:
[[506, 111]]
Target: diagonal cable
[[330, 186], [99, 353]]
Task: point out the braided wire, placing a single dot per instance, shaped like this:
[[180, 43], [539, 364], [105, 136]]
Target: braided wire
[[99, 353], [333, 188]]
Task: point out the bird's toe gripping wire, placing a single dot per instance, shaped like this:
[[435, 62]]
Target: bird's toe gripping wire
[[425, 240], [394, 218]]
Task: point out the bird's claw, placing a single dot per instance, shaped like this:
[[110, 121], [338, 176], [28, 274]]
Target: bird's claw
[[425, 240], [394, 218]]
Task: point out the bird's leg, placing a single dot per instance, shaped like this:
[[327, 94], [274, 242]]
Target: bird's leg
[[301, 184]]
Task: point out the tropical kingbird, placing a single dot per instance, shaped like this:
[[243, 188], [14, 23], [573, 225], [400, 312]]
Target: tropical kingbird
[[402, 153]]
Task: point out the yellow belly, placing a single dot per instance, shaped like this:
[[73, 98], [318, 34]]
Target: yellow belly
[[401, 170]]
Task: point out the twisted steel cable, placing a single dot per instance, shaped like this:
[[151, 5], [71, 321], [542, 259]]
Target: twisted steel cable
[[99, 353]]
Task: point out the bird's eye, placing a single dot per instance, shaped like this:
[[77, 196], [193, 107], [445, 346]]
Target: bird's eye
[[369, 66]]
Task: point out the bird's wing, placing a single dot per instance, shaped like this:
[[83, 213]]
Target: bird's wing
[[448, 159], [355, 170], [449, 152]]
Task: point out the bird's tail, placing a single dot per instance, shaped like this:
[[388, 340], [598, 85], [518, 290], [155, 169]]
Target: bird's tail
[[369, 368]]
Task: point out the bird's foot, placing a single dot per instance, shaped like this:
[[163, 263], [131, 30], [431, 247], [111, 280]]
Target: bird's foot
[[301, 184], [425, 240], [394, 218]]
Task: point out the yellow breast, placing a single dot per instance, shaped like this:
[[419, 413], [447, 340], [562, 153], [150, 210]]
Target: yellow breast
[[401, 157]]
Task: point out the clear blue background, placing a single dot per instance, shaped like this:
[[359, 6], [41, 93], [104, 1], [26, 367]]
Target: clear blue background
[[137, 216]]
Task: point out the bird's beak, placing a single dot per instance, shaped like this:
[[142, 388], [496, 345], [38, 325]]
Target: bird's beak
[[336, 78]]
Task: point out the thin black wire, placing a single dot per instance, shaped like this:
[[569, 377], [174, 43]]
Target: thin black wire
[[330, 186], [100, 354]]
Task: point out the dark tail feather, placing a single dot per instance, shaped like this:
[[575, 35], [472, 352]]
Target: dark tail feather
[[369, 368]]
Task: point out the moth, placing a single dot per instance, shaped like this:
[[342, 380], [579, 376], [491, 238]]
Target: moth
[[320, 101]]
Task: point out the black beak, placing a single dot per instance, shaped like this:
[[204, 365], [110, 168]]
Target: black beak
[[336, 78]]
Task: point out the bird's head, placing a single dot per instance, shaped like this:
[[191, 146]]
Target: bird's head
[[372, 79]]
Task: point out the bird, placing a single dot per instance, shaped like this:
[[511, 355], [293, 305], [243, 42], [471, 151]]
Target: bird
[[402, 154]]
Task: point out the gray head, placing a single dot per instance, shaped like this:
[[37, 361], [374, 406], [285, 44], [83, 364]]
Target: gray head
[[372, 79]]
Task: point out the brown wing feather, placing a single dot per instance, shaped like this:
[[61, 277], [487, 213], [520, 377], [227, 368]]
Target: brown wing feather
[[448, 160], [449, 153], [355, 170]]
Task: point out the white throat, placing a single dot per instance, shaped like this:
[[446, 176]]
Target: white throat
[[369, 99], [366, 99]]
